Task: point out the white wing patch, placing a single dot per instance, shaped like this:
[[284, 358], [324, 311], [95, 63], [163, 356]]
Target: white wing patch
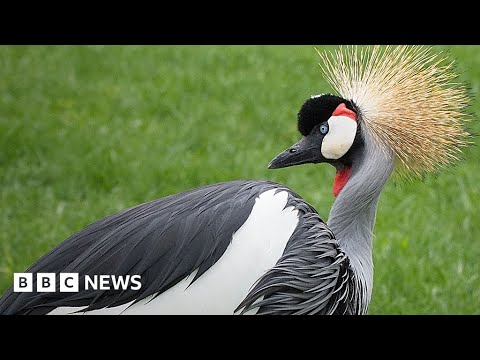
[[255, 248], [340, 137]]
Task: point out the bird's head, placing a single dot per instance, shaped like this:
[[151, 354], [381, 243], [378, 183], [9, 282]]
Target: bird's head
[[402, 97], [331, 134]]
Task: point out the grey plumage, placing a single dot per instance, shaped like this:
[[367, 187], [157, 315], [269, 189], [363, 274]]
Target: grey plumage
[[167, 239], [313, 276]]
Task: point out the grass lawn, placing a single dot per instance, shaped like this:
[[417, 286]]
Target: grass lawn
[[86, 131]]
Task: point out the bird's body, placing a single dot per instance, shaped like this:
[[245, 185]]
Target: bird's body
[[234, 233], [256, 247]]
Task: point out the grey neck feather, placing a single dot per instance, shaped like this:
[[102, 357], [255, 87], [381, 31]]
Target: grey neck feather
[[352, 216]]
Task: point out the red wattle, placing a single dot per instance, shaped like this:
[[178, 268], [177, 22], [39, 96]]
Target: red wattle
[[341, 180], [342, 110]]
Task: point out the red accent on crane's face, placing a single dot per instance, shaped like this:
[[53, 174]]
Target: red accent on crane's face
[[342, 110], [341, 180]]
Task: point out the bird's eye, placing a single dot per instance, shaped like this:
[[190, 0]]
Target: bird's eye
[[324, 129]]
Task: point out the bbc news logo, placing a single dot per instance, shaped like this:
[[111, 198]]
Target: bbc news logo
[[69, 282]]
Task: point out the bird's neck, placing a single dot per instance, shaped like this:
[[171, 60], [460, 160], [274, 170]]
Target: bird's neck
[[352, 217]]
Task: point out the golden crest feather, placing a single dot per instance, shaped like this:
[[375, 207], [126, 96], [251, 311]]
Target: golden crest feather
[[407, 99]]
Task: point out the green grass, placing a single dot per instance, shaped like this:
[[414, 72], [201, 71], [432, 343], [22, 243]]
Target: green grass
[[86, 131]]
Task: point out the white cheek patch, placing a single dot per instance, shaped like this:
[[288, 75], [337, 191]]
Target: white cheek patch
[[340, 137]]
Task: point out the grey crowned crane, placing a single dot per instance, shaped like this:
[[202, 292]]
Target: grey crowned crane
[[256, 247]]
